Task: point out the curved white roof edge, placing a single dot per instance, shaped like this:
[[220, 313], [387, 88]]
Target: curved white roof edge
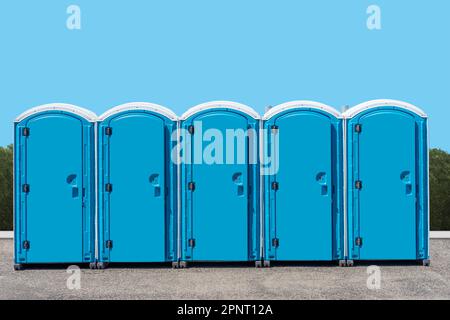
[[139, 106], [380, 103], [82, 112], [221, 104], [300, 104]]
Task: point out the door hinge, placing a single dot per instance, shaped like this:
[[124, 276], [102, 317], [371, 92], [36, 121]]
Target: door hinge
[[275, 185], [26, 245], [191, 186], [108, 131], [109, 244], [275, 242], [274, 129], [26, 132], [191, 129], [358, 184], [26, 188], [108, 187], [358, 241], [191, 243], [358, 128]]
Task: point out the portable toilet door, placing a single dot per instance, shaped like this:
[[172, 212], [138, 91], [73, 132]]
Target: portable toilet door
[[302, 172], [54, 185], [387, 181], [137, 181], [220, 181]]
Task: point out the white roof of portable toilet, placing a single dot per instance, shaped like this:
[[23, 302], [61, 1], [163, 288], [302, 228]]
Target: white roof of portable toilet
[[82, 112], [220, 105], [156, 108], [350, 113], [301, 104]]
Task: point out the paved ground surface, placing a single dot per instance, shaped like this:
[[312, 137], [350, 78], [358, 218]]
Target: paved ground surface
[[218, 282]]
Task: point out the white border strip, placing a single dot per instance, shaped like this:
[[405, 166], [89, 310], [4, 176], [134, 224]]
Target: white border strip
[[381, 103], [139, 106], [440, 234], [82, 112], [298, 105], [220, 105], [6, 234]]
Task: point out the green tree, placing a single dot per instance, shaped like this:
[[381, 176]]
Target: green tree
[[6, 188], [440, 189]]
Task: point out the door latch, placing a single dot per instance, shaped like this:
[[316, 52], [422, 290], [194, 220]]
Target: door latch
[[26, 132], [108, 187], [358, 241], [108, 131], [191, 129], [275, 242], [358, 184], [191, 243], [191, 186], [26, 188], [109, 244], [358, 128], [275, 186], [26, 245]]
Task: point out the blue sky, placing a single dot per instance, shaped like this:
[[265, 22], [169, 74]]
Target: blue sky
[[258, 52]]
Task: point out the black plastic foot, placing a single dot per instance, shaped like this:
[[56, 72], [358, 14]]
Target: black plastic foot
[[266, 263], [342, 263], [102, 265], [183, 264], [350, 263], [93, 265], [426, 262], [175, 265], [258, 264], [18, 267]]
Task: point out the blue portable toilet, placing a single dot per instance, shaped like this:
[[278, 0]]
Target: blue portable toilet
[[387, 182], [220, 183], [137, 185], [303, 215], [54, 186]]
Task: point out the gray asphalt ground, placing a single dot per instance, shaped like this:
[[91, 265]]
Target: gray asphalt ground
[[219, 282]]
